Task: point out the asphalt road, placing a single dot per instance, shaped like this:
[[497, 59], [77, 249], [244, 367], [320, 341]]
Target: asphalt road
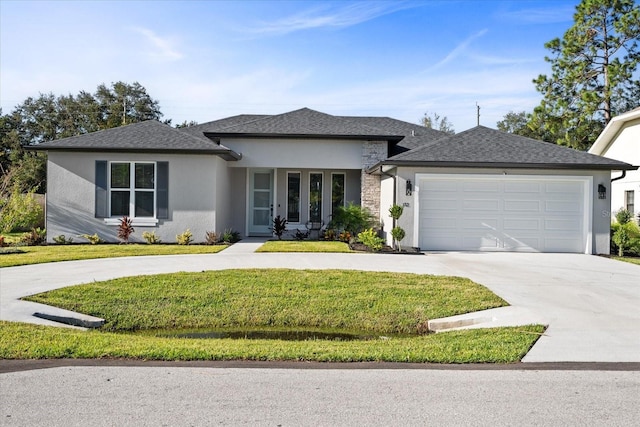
[[197, 396]]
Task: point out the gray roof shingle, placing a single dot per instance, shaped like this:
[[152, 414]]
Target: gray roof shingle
[[484, 147], [144, 136]]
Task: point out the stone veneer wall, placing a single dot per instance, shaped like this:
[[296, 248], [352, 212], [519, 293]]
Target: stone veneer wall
[[372, 153]]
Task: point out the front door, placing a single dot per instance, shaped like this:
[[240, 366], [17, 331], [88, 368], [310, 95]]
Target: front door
[[260, 202]]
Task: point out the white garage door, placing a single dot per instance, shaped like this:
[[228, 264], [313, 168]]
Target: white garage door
[[502, 213]]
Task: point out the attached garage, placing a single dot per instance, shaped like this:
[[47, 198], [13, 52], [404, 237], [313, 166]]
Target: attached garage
[[486, 190], [503, 213]]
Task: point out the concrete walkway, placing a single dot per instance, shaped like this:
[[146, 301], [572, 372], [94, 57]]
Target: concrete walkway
[[590, 303]]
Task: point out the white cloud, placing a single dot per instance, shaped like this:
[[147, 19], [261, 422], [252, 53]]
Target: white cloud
[[539, 15], [163, 47], [322, 17], [458, 50]]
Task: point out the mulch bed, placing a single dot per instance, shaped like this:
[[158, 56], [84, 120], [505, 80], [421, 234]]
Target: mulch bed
[[359, 247]]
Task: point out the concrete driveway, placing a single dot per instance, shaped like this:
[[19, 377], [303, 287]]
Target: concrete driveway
[[591, 304]]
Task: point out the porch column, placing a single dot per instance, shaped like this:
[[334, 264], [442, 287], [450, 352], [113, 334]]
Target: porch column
[[372, 153]]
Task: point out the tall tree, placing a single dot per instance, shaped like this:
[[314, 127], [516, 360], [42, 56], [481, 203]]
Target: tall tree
[[593, 68], [48, 117], [434, 121]]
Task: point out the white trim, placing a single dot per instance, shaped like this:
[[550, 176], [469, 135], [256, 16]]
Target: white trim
[[587, 191], [132, 190], [140, 222]]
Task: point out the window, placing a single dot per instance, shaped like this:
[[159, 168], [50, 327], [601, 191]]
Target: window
[[132, 189], [337, 191], [293, 197], [629, 201], [315, 196]]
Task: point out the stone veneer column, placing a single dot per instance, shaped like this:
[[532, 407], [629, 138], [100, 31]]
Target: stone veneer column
[[372, 153]]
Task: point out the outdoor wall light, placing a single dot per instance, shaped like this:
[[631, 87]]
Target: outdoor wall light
[[602, 191], [409, 188]]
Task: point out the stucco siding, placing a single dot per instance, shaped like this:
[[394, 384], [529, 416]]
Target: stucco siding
[[296, 153], [71, 195], [599, 215]]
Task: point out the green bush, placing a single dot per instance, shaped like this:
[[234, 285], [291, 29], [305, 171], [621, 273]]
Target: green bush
[[398, 234], [94, 239], [37, 236], [230, 236], [151, 237], [62, 240], [20, 212], [626, 238], [370, 239], [623, 216], [185, 238], [352, 218]]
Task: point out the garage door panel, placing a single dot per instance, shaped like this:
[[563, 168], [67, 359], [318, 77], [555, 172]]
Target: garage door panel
[[480, 186], [481, 205], [438, 186], [522, 187], [513, 224], [522, 206], [499, 212]]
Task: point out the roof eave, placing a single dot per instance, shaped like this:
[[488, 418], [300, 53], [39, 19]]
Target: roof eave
[[228, 155], [217, 136], [500, 165]]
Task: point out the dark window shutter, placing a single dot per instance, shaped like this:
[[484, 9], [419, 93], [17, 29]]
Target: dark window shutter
[[102, 190], [162, 191]]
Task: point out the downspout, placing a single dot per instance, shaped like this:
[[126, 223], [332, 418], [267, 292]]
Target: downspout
[[624, 173]]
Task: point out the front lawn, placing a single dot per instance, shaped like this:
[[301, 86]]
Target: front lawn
[[632, 260], [393, 307], [303, 246], [54, 253]]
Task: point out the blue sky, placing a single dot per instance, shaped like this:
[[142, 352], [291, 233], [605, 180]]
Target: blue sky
[[204, 60]]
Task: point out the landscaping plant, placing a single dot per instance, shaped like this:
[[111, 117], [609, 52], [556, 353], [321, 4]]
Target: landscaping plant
[[37, 236], [370, 239], [626, 233], [94, 239], [62, 240], [352, 218], [279, 226], [151, 237], [211, 238], [185, 238], [398, 233], [230, 236], [125, 229]]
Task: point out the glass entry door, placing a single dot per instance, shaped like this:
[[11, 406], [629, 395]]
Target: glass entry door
[[260, 202]]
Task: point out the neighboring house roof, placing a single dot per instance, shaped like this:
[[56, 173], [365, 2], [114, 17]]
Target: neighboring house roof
[[145, 136], [484, 147], [611, 131]]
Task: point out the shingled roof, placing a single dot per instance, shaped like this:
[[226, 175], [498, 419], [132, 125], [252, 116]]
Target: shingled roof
[[147, 136], [484, 147]]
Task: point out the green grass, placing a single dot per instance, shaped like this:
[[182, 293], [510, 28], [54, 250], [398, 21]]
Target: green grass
[[632, 260], [303, 246], [499, 345], [55, 253], [384, 303]]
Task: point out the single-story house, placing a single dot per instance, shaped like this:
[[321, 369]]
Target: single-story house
[[620, 140], [478, 190]]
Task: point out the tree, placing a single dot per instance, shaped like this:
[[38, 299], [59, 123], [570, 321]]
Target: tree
[[48, 117], [186, 124], [523, 124], [593, 68], [434, 121]]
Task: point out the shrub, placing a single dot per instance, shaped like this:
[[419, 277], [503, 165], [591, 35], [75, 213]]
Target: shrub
[[623, 216], [279, 226], [125, 229], [398, 234], [151, 237], [345, 237], [352, 218], [395, 211], [20, 212], [62, 240], [36, 236], [626, 238], [301, 235], [185, 238], [211, 238], [230, 236], [94, 239], [370, 239], [2, 242], [330, 234]]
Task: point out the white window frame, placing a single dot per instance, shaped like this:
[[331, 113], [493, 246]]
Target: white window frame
[[626, 200], [141, 221]]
